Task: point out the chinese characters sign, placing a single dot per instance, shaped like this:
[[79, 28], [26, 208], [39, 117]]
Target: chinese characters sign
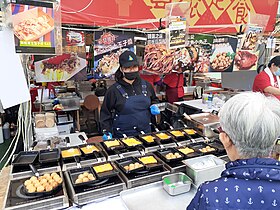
[[202, 12], [156, 38], [107, 49]]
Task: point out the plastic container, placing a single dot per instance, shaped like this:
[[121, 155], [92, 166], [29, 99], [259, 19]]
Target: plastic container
[[175, 184], [6, 131], [209, 101], [205, 173]]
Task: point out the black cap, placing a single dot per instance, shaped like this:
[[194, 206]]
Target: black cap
[[128, 59], [275, 60]]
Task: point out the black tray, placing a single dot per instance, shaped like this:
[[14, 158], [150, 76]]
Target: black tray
[[74, 173], [94, 153], [152, 166], [200, 145], [148, 144], [71, 157], [217, 145], [163, 141], [163, 152], [49, 156], [190, 155], [25, 158], [179, 138], [126, 161], [133, 146], [106, 174], [121, 146]]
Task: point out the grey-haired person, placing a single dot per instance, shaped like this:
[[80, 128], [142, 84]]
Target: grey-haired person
[[250, 125]]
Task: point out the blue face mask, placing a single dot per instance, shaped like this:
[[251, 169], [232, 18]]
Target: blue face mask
[[277, 73]]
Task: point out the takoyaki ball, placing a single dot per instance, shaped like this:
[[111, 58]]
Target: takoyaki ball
[[33, 178], [43, 181], [85, 179], [51, 181], [48, 188], [29, 186], [126, 168], [91, 177], [40, 178], [85, 174], [54, 184], [59, 180], [47, 176], [40, 189], [35, 182], [78, 181], [27, 182], [55, 177], [81, 176], [37, 185], [53, 174], [31, 190]]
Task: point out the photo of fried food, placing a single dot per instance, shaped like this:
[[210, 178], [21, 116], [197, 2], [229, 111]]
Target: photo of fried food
[[221, 61]]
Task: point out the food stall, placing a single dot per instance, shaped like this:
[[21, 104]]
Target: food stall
[[70, 170]]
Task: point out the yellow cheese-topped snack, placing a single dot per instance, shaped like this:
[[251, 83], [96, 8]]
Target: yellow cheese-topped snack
[[148, 138], [113, 143], [131, 142], [148, 160], [70, 152], [186, 150], [89, 149], [190, 131], [177, 133], [207, 149], [163, 136], [103, 168]]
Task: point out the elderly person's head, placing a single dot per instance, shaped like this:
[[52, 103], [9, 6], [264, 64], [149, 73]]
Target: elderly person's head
[[250, 124]]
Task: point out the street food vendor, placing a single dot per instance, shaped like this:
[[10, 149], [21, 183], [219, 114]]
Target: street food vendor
[[267, 81], [175, 84], [128, 102]]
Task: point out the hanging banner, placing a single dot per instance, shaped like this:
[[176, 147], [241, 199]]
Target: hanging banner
[[35, 27], [246, 60], [251, 37], [71, 65], [223, 53], [177, 32], [202, 13], [108, 47]]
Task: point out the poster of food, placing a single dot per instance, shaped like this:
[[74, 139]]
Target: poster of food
[[251, 37], [159, 60], [108, 47], [177, 33], [75, 38], [34, 27], [246, 60], [203, 44], [71, 65], [223, 53]]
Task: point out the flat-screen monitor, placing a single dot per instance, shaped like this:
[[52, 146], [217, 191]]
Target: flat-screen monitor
[[241, 80]]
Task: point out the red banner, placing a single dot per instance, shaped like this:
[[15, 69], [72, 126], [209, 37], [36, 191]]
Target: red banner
[[202, 12]]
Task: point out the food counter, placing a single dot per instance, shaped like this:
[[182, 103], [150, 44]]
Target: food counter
[[127, 169]]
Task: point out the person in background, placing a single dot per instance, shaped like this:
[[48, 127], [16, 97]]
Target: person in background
[[153, 79], [175, 84], [250, 125], [128, 102], [267, 81]]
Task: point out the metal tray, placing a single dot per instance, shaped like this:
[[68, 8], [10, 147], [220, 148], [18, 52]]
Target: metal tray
[[139, 198]]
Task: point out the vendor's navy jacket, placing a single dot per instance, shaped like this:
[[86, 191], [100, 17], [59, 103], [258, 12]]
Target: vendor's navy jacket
[[118, 110], [245, 184]]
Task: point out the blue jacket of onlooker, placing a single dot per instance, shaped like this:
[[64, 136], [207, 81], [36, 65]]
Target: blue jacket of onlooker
[[245, 184]]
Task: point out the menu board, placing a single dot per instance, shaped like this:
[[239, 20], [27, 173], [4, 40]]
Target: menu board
[[223, 53], [34, 27], [108, 46]]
